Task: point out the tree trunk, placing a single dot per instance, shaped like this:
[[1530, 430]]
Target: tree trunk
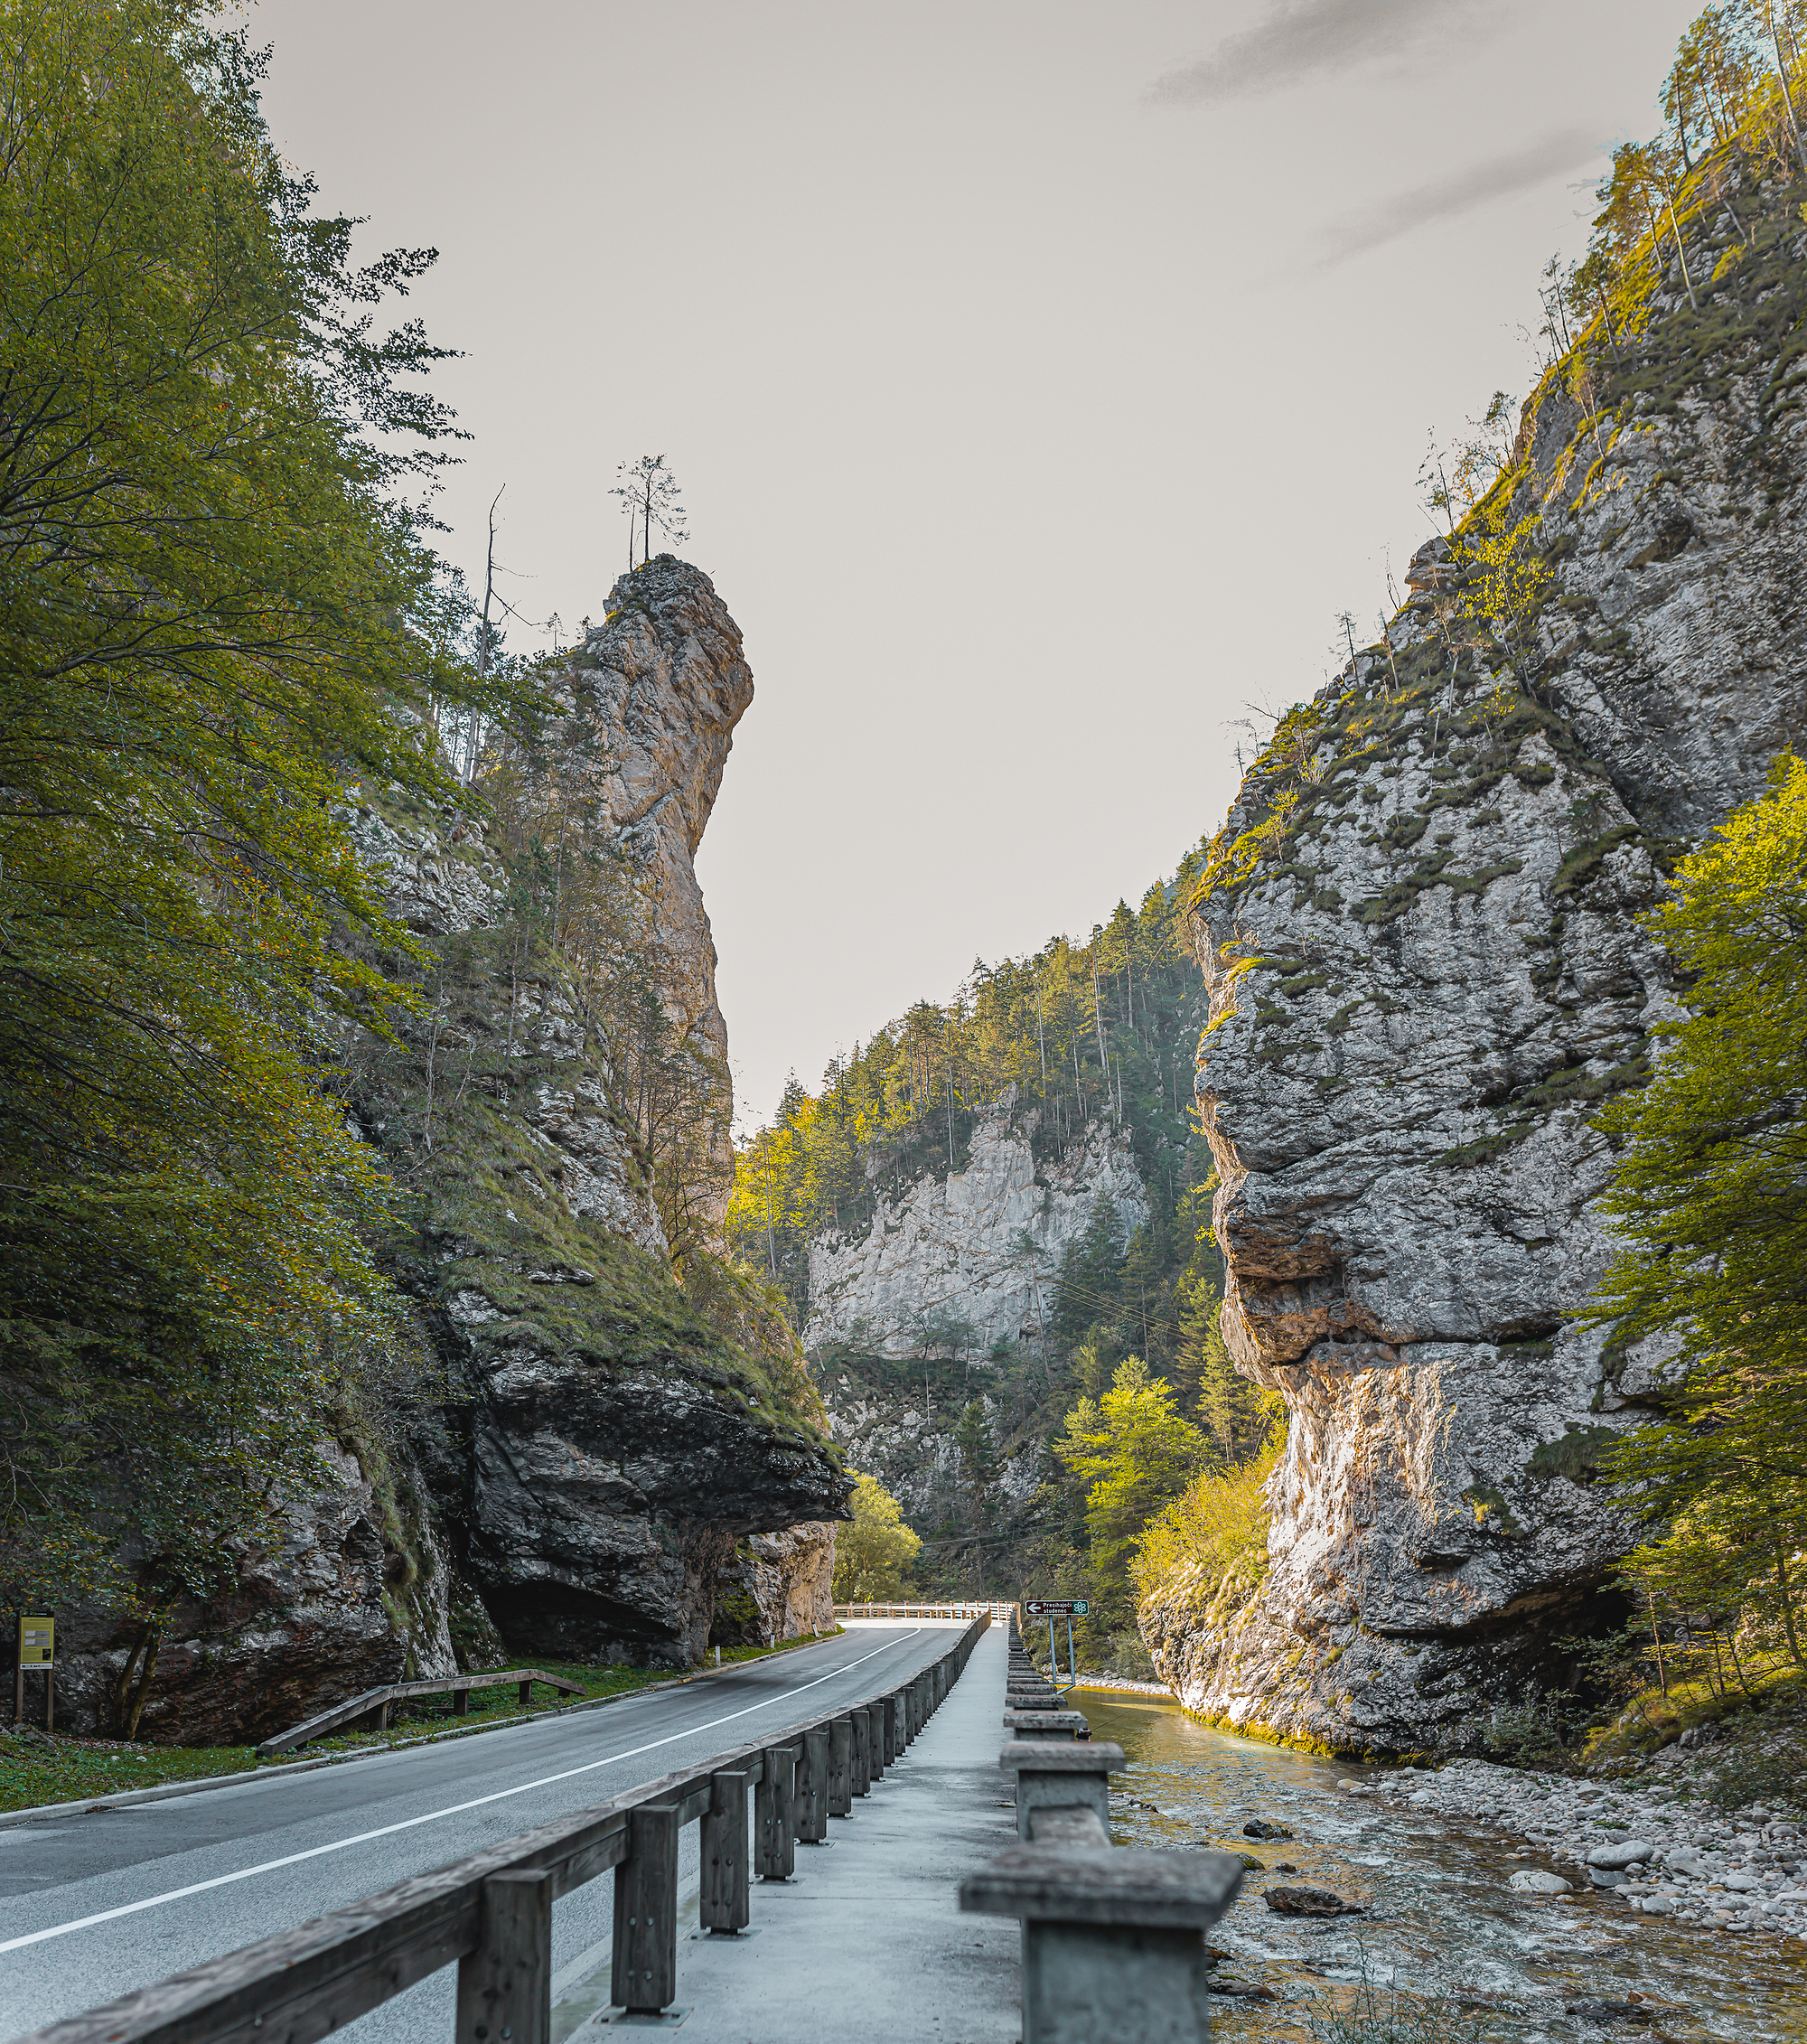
[[1787, 96], [130, 1696], [1787, 1607], [1662, 1672]]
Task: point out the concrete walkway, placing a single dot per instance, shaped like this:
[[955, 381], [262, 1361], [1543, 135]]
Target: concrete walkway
[[868, 1943]]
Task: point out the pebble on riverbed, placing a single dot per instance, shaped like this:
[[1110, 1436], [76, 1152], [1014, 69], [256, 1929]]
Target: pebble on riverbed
[[1648, 1841], [1309, 1902]]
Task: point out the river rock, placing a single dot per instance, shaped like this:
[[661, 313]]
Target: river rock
[[1535, 1881], [1621, 1852], [1608, 2011], [1260, 1828], [1310, 1902]]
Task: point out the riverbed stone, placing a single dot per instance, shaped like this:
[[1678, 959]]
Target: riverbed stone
[[1621, 1852]]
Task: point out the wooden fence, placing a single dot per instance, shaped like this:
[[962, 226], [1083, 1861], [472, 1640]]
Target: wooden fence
[[374, 1703], [491, 1913]]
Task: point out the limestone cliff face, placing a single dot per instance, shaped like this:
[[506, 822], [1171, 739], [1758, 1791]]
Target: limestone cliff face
[[981, 1246], [1424, 971], [583, 1445], [352, 1592], [670, 681], [605, 1444]]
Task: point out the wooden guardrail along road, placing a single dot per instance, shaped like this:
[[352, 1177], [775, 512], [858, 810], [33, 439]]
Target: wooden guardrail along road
[[374, 1703], [491, 1913]]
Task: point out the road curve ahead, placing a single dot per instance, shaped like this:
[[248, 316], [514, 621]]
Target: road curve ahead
[[95, 1905]]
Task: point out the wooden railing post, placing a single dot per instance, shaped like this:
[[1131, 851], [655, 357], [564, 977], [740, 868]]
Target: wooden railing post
[[724, 1903], [894, 1741], [813, 1787], [840, 1767], [526, 1694], [774, 1814], [862, 1752], [643, 1977], [505, 1985], [461, 1702], [875, 1718]]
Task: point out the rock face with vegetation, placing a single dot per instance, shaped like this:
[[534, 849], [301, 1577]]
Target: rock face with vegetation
[[1418, 935], [981, 1245], [610, 1433], [562, 1459], [990, 1206]]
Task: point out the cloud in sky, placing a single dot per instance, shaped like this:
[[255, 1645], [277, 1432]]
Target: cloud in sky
[[1447, 198], [1300, 39]]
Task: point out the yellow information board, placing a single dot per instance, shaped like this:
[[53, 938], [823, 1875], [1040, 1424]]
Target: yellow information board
[[37, 1641]]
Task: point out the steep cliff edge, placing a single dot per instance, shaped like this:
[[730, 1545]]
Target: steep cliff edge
[[1416, 933], [968, 1259], [565, 1465], [609, 1435]]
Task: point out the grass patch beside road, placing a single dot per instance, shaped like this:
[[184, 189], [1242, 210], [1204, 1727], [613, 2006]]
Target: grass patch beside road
[[38, 1767]]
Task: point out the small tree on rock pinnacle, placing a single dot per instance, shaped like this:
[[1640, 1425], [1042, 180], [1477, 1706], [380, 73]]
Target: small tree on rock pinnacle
[[648, 492]]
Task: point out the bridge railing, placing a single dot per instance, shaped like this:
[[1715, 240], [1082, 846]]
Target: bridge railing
[[1000, 1613], [491, 1914]]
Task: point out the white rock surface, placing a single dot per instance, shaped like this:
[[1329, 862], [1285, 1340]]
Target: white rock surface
[[982, 1244], [1416, 999]]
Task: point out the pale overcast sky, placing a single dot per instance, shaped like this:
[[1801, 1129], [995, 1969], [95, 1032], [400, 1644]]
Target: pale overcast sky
[[1042, 378]]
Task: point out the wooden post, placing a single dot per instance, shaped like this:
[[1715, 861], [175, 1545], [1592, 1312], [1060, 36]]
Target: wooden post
[[840, 1767], [876, 1714], [461, 1702], [724, 1903], [774, 1814], [862, 1752], [526, 1694], [644, 1976], [894, 1740], [505, 1985], [813, 1787]]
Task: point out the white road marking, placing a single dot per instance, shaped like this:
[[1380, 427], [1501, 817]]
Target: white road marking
[[433, 1816]]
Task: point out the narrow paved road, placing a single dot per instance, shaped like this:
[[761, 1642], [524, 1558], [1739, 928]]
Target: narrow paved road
[[95, 1905]]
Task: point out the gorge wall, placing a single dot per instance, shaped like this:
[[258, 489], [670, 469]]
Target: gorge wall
[[581, 1444], [979, 1250], [1417, 932]]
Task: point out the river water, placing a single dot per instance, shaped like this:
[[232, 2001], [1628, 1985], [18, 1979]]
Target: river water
[[1440, 1918]]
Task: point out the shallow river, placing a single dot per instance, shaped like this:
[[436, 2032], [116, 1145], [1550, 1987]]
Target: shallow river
[[1440, 1918]]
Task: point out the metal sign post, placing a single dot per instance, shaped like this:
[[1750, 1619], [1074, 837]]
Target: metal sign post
[[1051, 1609], [37, 1649]]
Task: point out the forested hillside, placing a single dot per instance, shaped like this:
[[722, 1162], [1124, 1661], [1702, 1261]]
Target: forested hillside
[[1078, 1037], [357, 1006]]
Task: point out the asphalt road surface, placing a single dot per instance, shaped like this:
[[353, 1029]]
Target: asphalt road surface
[[95, 1905]]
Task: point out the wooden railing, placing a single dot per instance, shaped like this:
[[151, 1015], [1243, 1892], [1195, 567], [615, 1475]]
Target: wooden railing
[[491, 1913], [374, 1703]]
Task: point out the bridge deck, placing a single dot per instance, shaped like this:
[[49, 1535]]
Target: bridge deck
[[868, 1942]]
